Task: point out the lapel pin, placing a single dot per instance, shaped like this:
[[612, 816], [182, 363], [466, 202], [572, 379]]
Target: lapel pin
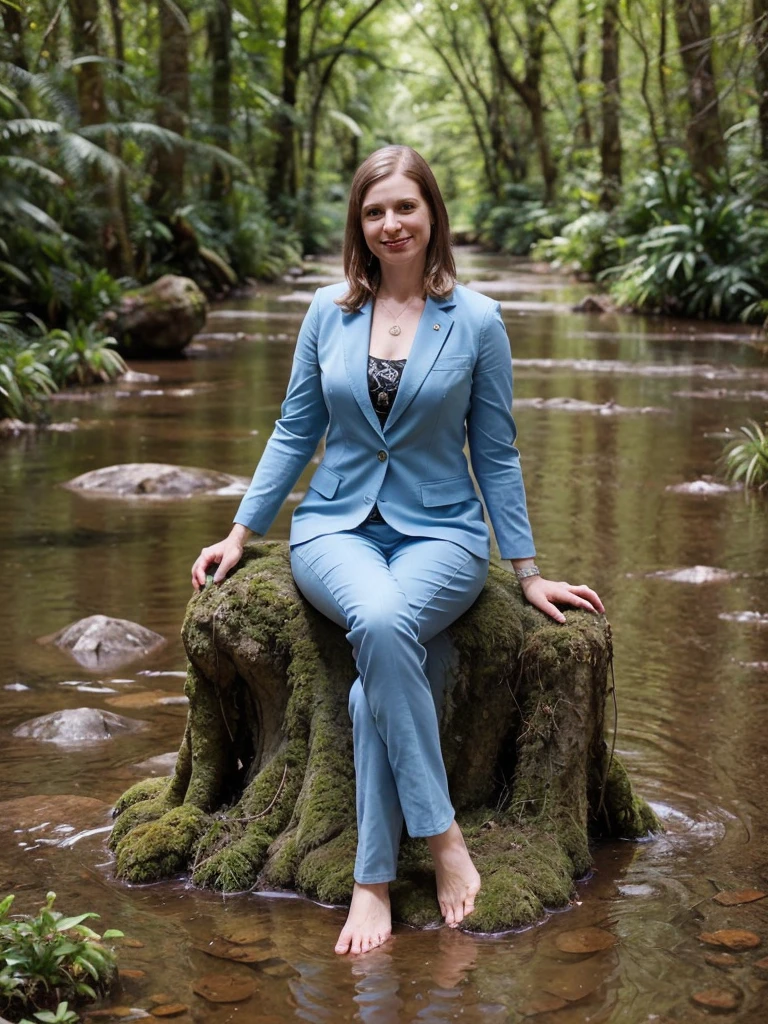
[[435, 327]]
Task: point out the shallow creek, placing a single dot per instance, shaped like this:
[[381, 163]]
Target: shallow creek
[[647, 403]]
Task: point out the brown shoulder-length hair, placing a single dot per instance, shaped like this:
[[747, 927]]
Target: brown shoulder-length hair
[[361, 268]]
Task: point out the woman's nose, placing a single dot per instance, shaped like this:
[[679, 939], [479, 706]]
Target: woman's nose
[[391, 221]]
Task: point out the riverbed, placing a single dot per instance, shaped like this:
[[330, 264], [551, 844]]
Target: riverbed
[[621, 422]]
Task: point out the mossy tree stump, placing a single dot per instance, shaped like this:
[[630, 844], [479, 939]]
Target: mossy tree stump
[[263, 790]]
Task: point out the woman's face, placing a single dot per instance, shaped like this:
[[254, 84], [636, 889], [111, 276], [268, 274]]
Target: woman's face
[[396, 221]]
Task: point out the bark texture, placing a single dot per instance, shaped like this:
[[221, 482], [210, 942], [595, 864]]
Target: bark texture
[[167, 163], [263, 791], [610, 142], [706, 144]]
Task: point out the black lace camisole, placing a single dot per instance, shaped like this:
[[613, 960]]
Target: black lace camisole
[[383, 381]]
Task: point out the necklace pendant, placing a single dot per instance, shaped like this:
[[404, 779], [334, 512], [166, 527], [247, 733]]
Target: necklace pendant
[[394, 329]]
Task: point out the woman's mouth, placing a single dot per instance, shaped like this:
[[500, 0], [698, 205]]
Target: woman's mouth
[[396, 244]]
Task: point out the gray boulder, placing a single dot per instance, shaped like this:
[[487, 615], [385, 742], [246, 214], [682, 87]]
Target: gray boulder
[[100, 642], [155, 480], [77, 725], [159, 319]]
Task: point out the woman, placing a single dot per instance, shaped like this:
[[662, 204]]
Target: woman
[[399, 366]]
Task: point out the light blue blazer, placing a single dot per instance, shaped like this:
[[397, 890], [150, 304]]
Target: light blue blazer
[[456, 386]]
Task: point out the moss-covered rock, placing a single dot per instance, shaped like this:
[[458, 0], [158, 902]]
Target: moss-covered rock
[[263, 791]]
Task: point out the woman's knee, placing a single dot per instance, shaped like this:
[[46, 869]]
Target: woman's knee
[[382, 621]]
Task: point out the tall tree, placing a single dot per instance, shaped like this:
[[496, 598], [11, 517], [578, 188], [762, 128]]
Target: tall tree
[[284, 181], [528, 85], [706, 144], [220, 44], [92, 104], [610, 141], [167, 163], [760, 16]]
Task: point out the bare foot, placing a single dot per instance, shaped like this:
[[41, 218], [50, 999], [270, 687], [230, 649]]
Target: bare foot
[[369, 923], [457, 879]]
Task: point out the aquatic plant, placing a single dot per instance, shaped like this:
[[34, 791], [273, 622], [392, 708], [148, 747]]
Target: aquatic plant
[[746, 458], [49, 960], [25, 376]]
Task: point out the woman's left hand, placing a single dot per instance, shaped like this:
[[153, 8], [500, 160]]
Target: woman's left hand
[[545, 594]]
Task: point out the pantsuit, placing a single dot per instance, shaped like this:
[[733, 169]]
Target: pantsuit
[[395, 585], [393, 594]]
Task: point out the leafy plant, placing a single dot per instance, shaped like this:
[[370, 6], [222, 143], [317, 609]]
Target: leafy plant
[[518, 222], [746, 457], [25, 376], [82, 355], [48, 960]]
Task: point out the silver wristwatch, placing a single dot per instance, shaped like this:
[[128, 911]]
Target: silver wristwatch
[[532, 570]]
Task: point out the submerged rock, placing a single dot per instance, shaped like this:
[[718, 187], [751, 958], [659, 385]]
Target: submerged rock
[[77, 725], [159, 319], [101, 642], [694, 574], [155, 480], [595, 304]]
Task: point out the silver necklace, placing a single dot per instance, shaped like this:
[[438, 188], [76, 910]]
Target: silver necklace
[[395, 329]]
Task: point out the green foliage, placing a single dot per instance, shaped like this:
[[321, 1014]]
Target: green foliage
[[745, 458], [82, 355], [258, 247], [33, 366], [588, 243], [48, 960], [518, 222], [692, 253]]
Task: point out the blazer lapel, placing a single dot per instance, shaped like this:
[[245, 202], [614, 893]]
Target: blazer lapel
[[431, 334], [356, 334]]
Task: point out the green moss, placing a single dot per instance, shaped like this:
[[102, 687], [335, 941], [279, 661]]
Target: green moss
[[148, 789], [162, 848], [140, 813], [327, 873], [625, 815], [282, 866]]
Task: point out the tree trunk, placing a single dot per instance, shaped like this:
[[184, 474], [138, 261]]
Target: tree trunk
[[610, 142], [284, 182], [220, 42], [167, 164], [92, 104], [582, 48], [263, 790], [706, 145], [760, 15]]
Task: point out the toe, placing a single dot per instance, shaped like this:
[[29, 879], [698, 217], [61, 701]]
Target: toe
[[469, 905], [356, 946], [458, 913], [344, 941], [449, 915]]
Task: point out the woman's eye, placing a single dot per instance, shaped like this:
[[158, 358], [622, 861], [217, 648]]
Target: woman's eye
[[373, 212]]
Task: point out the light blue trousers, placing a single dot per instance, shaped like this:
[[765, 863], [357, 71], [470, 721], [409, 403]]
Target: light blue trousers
[[394, 595]]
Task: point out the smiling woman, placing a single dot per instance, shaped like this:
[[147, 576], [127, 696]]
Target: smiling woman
[[390, 541]]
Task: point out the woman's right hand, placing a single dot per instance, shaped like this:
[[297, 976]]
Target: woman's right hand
[[225, 555]]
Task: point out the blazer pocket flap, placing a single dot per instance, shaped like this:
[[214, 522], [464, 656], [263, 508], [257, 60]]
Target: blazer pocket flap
[[447, 492], [325, 481], [453, 363]]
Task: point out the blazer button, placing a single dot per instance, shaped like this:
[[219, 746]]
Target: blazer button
[[382, 456]]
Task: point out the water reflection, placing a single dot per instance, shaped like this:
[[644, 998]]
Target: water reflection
[[606, 500]]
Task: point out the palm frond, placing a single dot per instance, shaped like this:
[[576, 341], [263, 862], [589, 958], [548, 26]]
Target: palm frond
[[23, 165], [19, 127], [78, 154]]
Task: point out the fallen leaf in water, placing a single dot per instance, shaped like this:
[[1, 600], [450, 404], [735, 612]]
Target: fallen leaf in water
[[731, 938], [717, 998], [224, 988], [585, 940], [543, 1003], [734, 899], [762, 964], [131, 974], [247, 935], [274, 967], [132, 943], [159, 998], [223, 950], [722, 959], [169, 1010]]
